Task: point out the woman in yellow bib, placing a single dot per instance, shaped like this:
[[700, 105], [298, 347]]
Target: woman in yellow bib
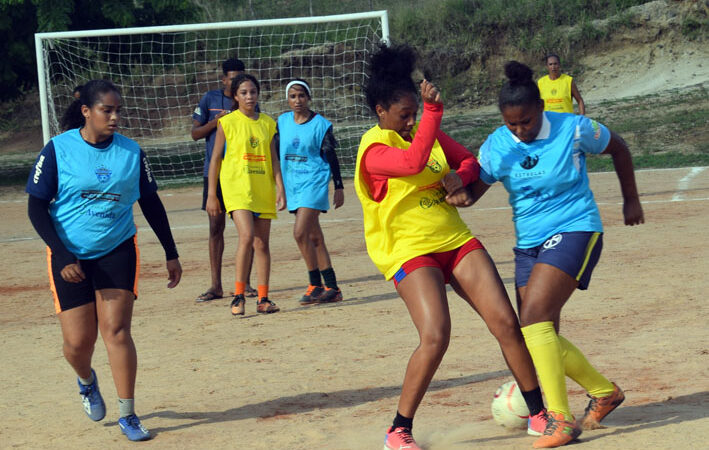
[[250, 176], [404, 179], [557, 89]]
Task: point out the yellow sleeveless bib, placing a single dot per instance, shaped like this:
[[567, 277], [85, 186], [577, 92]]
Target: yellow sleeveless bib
[[556, 93], [413, 219], [246, 175]]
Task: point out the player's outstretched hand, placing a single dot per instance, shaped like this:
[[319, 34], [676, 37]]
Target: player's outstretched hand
[[174, 272], [338, 199], [72, 273], [633, 212], [430, 93]]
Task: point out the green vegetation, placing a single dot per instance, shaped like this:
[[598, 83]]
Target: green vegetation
[[664, 130]]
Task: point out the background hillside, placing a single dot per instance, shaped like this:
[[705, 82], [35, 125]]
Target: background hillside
[[635, 63]]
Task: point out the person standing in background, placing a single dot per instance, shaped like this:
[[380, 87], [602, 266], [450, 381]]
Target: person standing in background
[[214, 105], [557, 88]]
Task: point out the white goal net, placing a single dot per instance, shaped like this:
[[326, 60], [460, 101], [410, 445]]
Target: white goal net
[[164, 71]]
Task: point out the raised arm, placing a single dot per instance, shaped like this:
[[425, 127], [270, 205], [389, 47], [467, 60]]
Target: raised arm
[[623, 163]]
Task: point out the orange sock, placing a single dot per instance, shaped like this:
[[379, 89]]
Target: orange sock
[[262, 291], [239, 288]]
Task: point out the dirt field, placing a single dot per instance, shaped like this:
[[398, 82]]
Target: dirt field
[[329, 376]]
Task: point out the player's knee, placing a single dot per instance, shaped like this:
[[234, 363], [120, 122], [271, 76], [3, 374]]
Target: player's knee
[[436, 339], [79, 346], [505, 327]]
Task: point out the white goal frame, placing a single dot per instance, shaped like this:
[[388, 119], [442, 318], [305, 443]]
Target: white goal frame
[[44, 40]]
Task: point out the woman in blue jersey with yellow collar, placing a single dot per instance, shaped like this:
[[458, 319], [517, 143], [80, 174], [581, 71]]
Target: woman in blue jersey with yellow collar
[[308, 161], [540, 159], [81, 195]]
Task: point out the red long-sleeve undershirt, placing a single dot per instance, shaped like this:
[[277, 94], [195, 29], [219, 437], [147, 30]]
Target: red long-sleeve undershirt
[[381, 162]]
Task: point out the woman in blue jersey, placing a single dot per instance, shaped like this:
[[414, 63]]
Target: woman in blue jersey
[[540, 159], [308, 160], [81, 195]]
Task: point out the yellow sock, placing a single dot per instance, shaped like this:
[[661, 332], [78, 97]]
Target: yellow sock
[[545, 349], [581, 371]]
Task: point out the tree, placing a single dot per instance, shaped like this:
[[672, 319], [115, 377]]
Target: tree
[[20, 19]]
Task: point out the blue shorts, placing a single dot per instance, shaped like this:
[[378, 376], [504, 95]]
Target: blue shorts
[[576, 253]]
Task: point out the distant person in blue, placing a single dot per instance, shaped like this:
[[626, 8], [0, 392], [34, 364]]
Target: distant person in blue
[[307, 145], [540, 158], [214, 105], [81, 194]]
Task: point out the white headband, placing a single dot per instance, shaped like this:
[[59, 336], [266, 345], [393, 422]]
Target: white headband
[[300, 83]]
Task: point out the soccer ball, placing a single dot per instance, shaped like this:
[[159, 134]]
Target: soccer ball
[[508, 406]]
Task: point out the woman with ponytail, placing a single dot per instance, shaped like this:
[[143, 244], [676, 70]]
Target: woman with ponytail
[[406, 174], [540, 158], [81, 194]]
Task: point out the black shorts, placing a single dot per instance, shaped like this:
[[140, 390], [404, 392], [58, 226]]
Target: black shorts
[[116, 270], [205, 192]]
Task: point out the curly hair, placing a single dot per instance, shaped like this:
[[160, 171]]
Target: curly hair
[[236, 82], [390, 71], [520, 89]]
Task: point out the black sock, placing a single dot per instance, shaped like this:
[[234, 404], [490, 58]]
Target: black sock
[[534, 401], [329, 277], [401, 421], [314, 276]]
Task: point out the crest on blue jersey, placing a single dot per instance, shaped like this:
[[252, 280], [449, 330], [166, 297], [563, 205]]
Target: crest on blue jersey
[[529, 162], [103, 174], [296, 142]]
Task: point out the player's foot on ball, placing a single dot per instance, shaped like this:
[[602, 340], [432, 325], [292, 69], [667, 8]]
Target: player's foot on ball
[[133, 429], [311, 295], [266, 306], [537, 423], [331, 295], [400, 438], [238, 305], [91, 398], [558, 432], [600, 407]]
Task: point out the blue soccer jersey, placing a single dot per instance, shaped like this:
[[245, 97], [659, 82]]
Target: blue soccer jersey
[[546, 179], [93, 187], [305, 173], [212, 103]]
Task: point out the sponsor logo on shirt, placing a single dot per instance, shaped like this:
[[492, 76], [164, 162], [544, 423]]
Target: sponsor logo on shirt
[[254, 170], [254, 157], [529, 162], [98, 195], [438, 197], [296, 158], [434, 165], [148, 172], [103, 174], [198, 111], [295, 142], [531, 174], [100, 214], [38, 169], [596, 129], [253, 140], [553, 91]]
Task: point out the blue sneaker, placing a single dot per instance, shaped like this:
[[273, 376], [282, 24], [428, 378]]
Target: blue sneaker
[[91, 398], [132, 428]]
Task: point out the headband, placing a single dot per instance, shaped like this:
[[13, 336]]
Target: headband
[[299, 83]]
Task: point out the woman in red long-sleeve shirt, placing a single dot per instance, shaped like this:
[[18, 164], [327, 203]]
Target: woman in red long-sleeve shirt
[[404, 181]]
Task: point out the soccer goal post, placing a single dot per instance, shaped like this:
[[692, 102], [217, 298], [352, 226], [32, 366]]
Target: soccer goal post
[[164, 71]]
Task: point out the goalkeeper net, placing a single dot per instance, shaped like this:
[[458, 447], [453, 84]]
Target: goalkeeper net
[[163, 72]]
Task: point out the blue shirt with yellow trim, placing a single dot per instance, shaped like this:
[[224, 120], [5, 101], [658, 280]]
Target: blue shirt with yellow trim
[[546, 179]]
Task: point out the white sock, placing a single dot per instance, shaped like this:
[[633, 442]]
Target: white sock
[[126, 406]]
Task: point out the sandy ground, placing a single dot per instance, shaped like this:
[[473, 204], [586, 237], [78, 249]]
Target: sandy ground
[[329, 376]]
